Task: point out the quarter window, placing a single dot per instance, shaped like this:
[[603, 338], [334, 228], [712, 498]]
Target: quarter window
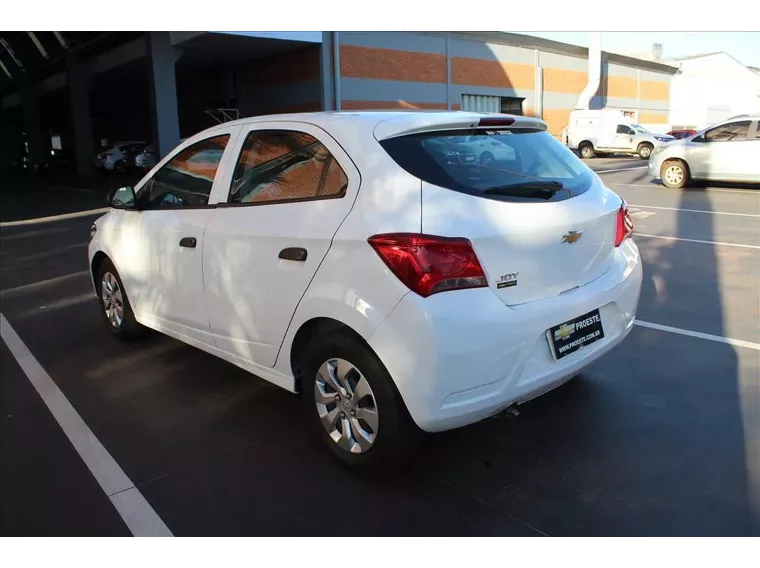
[[186, 180], [278, 166], [729, 132]]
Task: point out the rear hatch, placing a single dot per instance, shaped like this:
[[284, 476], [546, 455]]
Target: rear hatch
[[540, 222]]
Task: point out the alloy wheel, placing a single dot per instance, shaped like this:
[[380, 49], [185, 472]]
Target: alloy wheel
[[113, 300]]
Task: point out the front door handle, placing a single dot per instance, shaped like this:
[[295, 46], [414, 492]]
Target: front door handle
[[293, 253], [188, 242]]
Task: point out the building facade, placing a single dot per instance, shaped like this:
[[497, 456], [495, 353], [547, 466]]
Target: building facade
[[161, 86], [497, 72], [710, 88]]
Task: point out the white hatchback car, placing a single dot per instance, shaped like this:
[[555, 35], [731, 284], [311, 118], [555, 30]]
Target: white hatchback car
[[345, 256]]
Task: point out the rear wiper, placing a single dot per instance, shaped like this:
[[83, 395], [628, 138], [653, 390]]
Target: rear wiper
[[548, 188]]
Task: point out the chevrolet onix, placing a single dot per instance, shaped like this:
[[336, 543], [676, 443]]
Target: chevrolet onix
[[368, 262]]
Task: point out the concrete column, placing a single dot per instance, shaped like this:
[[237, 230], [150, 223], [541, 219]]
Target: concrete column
[[79, 101], [32, 123], [327, 91], [163, 92]]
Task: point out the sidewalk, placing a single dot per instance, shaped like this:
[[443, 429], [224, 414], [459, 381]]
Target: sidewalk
[[32, 197]]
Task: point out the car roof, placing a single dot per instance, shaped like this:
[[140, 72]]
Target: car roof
[[385, 123]]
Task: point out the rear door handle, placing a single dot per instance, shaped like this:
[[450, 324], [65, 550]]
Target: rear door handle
[[188, 242], [294, 253]]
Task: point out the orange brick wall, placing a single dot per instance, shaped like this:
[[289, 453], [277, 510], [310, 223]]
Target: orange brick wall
[[468, 71], [391, 64]]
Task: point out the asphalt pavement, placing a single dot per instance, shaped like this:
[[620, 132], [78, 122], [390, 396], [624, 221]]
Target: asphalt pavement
[[661, 437]]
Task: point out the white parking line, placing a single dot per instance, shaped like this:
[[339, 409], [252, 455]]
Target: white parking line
[[43, 283], [621, 170], [696, 241], [136, 512], [699, 335], [694, 210], [662, 187]]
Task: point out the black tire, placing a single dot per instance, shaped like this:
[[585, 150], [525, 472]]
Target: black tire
[[120, 167], [586, 150], [397, 438], [486, 158], [672, 179], [129, 328], [645, 150]]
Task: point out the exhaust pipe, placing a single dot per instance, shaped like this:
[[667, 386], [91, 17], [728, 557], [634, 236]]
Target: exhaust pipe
[[594, 71]]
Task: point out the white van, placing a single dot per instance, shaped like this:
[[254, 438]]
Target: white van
[[607, 131]]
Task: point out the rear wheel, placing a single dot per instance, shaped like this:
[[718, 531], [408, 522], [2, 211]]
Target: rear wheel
[[114, 304], [645, 150], [587, 150], [674, 174], [354, 405]]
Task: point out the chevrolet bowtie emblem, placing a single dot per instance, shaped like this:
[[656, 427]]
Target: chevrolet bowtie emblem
[[571, 237], [564, 331]]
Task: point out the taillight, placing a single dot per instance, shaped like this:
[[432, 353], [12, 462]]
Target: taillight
[[428, 264], [624, 225]]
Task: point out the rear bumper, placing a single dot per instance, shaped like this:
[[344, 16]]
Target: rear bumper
[[460, 357]]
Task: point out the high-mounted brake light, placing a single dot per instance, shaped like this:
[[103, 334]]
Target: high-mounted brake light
[[624, 225], [496, 121], [429, 264]]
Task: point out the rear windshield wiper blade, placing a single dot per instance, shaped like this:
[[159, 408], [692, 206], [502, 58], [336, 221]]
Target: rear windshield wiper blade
[[550, 187]]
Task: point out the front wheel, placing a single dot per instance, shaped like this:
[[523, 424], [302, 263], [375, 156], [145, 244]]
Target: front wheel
[[645, 150], [114, 304], [674, 174], [355, 406]]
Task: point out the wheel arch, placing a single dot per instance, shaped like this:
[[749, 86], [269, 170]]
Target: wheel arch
[[97, 261], [306, 333]]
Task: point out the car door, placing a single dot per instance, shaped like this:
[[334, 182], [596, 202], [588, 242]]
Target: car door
[[290, 189], [623, 139], [160, 256], [723, 153]]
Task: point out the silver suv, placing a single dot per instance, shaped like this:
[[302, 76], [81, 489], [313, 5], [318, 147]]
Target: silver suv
[[728, 151]]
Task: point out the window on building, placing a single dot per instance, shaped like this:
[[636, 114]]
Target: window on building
[[284, 165]]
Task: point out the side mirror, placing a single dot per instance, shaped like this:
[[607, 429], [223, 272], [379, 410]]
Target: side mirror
[[122, 198]]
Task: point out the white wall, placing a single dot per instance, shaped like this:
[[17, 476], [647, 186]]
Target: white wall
[[711, 89]]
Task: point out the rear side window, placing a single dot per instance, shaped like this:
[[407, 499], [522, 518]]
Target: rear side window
[[477, 161], [277, 166], [729, 132]]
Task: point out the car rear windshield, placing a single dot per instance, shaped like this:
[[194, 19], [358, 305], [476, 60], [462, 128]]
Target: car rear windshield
[[485, 163]]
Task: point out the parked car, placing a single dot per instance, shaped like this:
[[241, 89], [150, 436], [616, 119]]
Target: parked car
[[353, 258], [146, 158], [609, 131], [118, 157], [488, 151], [728, 152], [679, 134]]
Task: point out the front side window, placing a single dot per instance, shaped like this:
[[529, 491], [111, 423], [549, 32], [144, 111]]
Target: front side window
[[623, 129], [513, 165], [278, 166], [729, 132], [186, 180]]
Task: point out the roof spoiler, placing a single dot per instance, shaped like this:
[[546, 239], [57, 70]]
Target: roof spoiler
[[419, 123]]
